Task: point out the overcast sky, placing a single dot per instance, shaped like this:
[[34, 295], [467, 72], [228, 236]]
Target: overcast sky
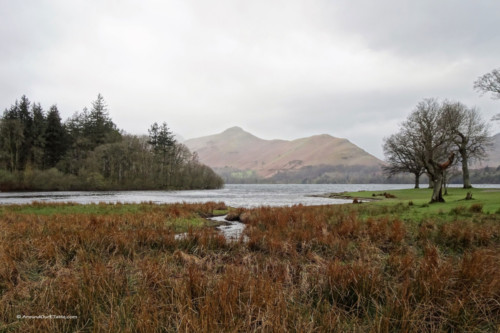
[[279, 69]]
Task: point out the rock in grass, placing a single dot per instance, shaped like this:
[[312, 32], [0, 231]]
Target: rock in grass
[[233, 216], [239, 214]]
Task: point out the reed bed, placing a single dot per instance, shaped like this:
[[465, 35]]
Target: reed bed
[[300, 269]]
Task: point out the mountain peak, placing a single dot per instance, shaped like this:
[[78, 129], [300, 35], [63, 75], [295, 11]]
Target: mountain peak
[[236, 133], [234, 129]]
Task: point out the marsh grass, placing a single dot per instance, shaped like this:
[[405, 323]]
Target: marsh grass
[[40, 208], [303, 269]]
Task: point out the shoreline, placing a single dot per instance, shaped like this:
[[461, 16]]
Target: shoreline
[[342, 196]]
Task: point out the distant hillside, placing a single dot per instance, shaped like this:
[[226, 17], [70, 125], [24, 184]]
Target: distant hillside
[[493, 159], [310, 159]]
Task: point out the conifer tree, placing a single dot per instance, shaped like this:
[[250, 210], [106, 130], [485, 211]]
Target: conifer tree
[[55, 138], [25, 116], [99, 127], [38, 136]]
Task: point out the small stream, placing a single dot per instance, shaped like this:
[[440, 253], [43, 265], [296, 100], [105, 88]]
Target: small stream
[[230, 229]]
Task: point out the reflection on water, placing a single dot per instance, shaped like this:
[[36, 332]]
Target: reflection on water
[[234, 195]]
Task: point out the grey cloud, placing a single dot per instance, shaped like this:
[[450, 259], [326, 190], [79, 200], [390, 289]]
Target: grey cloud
[[423, 28], [280, 69]]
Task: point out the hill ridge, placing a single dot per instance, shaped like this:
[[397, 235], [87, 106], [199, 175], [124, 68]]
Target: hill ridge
[[238, 149]]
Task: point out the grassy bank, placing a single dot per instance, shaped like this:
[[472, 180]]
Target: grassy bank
[[345, 268], [483, 200]]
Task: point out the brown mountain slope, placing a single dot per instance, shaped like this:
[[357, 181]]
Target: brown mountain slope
[[241, 150]]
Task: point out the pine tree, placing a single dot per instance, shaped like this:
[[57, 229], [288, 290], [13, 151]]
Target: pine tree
[[25, 116], [99, 127], [38, 136], [163, 144], [17, 138], [55, 138]]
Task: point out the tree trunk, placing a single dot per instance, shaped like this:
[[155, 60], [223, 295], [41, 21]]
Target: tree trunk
[[437, 193], [431, 182], [465, 172], [417, 180], [438, 177], [445, 182]]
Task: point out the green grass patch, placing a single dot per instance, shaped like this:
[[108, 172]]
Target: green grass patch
[[220, 212], [413, 204], [184, 224]]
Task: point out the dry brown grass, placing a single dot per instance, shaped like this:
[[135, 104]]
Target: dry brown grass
[[303, 269]]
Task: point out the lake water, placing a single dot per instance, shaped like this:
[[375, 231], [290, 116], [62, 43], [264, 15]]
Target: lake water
[[234, 195]]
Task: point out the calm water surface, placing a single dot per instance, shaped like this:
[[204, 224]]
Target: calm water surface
[[235, 195]]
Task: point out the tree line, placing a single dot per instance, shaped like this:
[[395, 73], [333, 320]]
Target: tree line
[[437, 135], [486, 175], [38, 151]]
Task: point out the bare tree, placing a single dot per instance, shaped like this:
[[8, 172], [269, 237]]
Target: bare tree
[[401, 156], [471, 135], [432, 135], [489, 82]]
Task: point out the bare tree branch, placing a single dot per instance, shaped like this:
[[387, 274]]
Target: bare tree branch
[[489, 82]]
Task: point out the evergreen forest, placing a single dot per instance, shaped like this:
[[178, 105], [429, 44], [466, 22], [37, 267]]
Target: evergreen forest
[[40, 152]]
